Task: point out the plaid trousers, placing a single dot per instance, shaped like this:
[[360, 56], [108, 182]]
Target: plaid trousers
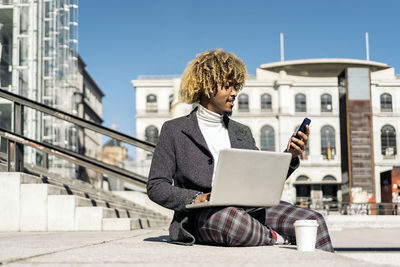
[[235, 226]]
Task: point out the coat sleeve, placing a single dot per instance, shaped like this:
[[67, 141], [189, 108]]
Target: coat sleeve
[[160, 186], [294, 164]]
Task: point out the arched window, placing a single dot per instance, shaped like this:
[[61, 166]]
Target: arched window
[[171, 100], [300, 103], [151, 103], [386, 103], [267, 138], [329, 178], [326, 103], [302, 178], [388, 141], [266, 102], [243, 102], [329, 190], [303, 191], [328, 144], [151, 134], [305, 154]]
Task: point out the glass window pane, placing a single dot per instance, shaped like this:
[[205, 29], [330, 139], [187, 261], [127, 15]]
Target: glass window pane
[[326, 103], [243, 102], [328, 145], [388, 141], [386, 103], [300, 103], [329, 178], [266, 102], [171, 101], [267, 138], [151, 103], [302, 178], [151, 135]]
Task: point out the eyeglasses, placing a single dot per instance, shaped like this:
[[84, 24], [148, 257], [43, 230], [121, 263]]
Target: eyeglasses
[[229, 85]]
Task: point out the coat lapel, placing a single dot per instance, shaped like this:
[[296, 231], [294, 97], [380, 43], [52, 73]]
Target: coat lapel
[[235, 132], [192, 130]]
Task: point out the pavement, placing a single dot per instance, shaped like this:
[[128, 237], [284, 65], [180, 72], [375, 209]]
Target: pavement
[[150, 247]]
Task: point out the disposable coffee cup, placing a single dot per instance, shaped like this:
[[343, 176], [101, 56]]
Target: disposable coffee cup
[[306, 234]]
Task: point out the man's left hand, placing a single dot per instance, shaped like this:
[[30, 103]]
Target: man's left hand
[[298, 146]]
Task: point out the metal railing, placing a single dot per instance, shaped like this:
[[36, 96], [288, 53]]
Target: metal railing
[[16, 141], [350, 208], [372, 208]]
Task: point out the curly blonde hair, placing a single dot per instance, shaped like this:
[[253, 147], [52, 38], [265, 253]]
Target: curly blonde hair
[[208, 69]]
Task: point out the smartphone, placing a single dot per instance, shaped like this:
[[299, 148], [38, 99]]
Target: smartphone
[[302, 127]]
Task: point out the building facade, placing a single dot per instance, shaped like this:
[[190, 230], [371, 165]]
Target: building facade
[[87, 101], [274, 102], [39, 60]]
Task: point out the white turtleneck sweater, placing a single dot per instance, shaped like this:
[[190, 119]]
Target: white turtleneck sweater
[[214, 131]]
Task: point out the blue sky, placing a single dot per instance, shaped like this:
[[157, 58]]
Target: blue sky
[[122, 39]]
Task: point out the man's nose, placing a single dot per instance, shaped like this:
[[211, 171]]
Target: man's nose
[[234, 91]]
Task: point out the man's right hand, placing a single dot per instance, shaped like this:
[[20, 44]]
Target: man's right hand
[[202, 198]]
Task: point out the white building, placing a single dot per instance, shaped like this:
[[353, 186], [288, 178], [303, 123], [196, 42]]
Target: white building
[[274, 103]]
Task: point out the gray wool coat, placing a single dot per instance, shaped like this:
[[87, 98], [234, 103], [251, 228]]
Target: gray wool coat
[[182, 166]]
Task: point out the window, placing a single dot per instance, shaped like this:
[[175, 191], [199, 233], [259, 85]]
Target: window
[[243, 102], [302, 178], [300, 103], [46, 127], [171, 100], [328, 146], [303, 191], [267, 138], [151, 134], [388, 141], [329, 190], [305, 154], [72, 138], [386, 103], [266, 102], [326, 103], [151, 103], [329, 178]]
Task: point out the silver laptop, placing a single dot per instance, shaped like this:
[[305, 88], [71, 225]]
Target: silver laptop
[[248, 178]]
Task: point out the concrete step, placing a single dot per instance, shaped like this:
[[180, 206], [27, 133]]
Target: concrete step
[[61, 211], [107, 199], [159, 222], [143, 200], [33, 205], [47, 204], [91, 218], [10, 191], [117, 224], [125, 206], [122, 213], [101, 197]]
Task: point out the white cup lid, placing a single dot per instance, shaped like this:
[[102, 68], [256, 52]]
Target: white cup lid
[[305, 223]]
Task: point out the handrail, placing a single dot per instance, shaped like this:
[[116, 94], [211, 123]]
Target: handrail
[[376, 208], [76, 120], [79, 159]]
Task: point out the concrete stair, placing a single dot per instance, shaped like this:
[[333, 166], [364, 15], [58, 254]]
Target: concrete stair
[[33, 203]]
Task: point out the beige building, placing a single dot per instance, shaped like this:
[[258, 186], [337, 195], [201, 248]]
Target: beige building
[[87, 105]]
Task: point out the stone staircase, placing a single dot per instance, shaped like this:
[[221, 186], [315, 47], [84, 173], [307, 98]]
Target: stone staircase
[[43, 203]]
